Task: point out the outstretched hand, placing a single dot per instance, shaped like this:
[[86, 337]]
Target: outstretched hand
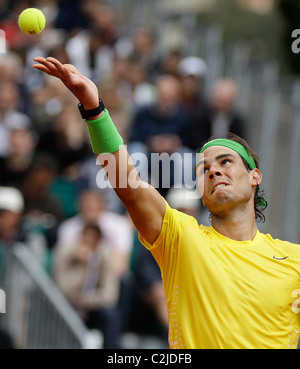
[[82, 88]]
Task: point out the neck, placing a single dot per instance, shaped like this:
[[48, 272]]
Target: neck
[[239, 225]]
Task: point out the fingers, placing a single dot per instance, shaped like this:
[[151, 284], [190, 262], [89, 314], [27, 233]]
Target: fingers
[[54, 67], [39, 59], [50, 66], [41, 66], [45, 66]]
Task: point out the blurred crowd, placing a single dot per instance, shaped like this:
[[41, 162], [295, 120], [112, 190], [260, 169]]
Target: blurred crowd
[[49, 197]]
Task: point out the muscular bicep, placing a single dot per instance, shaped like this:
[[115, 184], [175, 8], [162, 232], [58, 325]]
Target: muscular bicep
[[147, 212]]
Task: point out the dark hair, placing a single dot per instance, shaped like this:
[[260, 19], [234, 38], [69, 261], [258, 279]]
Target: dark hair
[[94, 228], [260, 203]]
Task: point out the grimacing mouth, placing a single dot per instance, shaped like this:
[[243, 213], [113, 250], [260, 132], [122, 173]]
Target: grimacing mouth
[[218, 185]]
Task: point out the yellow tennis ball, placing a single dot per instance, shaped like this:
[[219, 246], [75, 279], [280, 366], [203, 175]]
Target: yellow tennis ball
[[32, 21]]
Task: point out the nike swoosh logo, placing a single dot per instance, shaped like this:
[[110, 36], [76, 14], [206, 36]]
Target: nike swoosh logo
[[274, 257]]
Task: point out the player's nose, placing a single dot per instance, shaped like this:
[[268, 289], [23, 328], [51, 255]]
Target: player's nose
[[214, 172]]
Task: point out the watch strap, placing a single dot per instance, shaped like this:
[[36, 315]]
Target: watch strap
[[85, 114]]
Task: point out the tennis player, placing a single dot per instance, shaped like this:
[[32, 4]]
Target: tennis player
[[227, 285]]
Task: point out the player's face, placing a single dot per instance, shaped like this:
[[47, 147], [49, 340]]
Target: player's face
[[223, 180]]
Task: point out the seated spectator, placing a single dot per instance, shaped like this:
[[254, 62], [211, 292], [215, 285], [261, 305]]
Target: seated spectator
[[220, 116], [223, 115], [11, 70], [117, 232], [13, 228], [67, 144], [93, 177], [192, 71], [84, 273], [67, 141], [144, 51], [161, 128], [103, 18], [9, 114], [11, 211], [169, 63], [117, 229], [42, 209], [46, 103], [15, 165], [143, 91], [90, 54]]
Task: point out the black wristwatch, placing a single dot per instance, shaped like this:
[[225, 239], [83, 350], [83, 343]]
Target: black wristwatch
[[93, 112]]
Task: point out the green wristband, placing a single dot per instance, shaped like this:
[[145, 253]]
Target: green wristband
[[104, 136]]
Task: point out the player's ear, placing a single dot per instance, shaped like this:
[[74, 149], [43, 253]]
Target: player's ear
[[256, 177]]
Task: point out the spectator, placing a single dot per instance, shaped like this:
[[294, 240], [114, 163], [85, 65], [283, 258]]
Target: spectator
[[121, 76], [93, 177], [161, 128], [143, 92], [84, 273], [192, 71], [103, 18], [223, 116], [46, 102], [50, 8], [9, 113], [218, 116], [116, 229], [12, 71], [11, 68], [15, 165], [70, 16], [42, 210], [144, 51], [11, 210], [117, 232], [12, 227], [67, 141], [89, 53], [170, 62]]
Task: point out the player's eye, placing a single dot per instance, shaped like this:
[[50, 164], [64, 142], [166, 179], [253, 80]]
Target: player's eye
[[225, 161], [203, 170]]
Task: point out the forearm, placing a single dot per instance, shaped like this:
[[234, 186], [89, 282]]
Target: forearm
[[107, 143], [144, 204], [122, 174]]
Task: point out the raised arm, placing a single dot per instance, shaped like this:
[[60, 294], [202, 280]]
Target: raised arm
[[144, 204]]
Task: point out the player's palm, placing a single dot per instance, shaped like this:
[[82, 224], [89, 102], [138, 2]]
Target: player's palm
[[83, 88]]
